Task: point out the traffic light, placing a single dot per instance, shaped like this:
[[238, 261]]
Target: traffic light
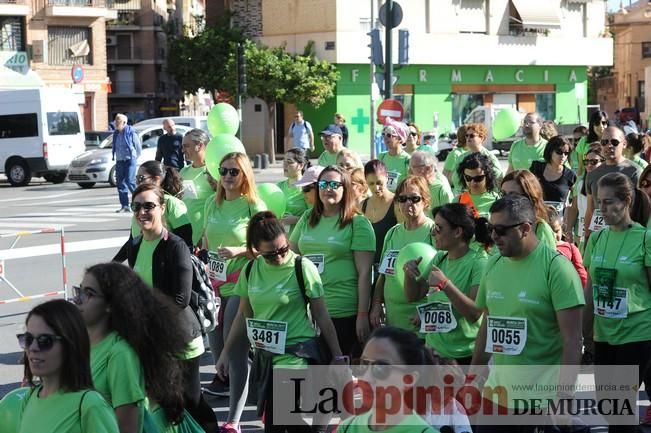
[[241, 70], [376, 47], [403, 47]]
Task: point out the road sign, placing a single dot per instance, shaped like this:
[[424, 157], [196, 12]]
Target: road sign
[[397, 15], [390, 108], [77, 73]]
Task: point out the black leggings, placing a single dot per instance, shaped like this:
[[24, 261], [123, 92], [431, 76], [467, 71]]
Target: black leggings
[[346, 329], [194, 401]]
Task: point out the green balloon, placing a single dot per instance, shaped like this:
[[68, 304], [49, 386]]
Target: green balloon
[[412, 252], [223, 119], [11, 409], [506, 123], [218, 147], [274, 198]]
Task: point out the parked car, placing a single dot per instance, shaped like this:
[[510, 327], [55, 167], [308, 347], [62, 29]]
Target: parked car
[[94, 138], [97, 166], [200, 122]]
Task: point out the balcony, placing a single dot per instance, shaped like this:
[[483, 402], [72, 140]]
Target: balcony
[[15, 7], [123, 55], [123, 5], [79, 8], [126, 89], [125, 20]]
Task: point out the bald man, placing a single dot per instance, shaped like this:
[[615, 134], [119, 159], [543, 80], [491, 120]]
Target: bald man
[[170, 148]]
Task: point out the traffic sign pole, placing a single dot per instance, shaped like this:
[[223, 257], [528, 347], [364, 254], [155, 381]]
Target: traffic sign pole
[[388, 61]]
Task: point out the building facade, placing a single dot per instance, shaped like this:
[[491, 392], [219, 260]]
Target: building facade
[[531, 55], [58, 43]]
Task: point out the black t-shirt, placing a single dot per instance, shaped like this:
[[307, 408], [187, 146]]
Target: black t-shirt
[[555, 190], [170, 150]]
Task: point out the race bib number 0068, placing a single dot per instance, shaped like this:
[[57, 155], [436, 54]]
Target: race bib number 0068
[[436, 317]]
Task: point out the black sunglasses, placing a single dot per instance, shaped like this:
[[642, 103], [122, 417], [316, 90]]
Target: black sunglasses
[[501, 230], [308, 188], [379, 369], [475, 179], [43, 341], [471, 135], [592, 161], [141, 178], [147, 206], [413, 134], [411, 198], [560, 152], [613, 142], [234, 172], [273, 254]]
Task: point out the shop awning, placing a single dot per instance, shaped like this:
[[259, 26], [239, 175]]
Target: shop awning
[[80, 49], [536, 14], [15, 72]]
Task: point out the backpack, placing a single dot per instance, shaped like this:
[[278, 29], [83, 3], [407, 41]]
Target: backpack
[[307, 128], [203, 301]]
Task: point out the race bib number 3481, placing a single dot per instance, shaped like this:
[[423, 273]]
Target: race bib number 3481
[[269, 335], [506, 335]]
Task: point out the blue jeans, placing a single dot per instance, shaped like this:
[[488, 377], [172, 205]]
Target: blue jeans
[[125, 175]]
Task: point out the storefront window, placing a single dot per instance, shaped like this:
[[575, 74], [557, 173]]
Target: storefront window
[[405, 94], [462, 105], [546, 105]]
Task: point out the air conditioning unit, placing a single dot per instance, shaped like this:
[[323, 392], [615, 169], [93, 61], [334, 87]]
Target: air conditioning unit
[[111, 41]]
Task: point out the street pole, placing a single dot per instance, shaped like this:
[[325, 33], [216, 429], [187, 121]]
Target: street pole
[[388, 62], [371, 81]]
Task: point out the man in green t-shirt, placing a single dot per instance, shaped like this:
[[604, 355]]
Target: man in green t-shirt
[[532, 300], [530, 148], [332, 138]]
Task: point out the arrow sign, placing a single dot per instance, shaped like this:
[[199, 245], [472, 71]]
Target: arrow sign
[[390, 108]]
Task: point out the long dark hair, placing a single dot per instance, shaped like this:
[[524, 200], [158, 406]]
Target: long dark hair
[[263, 227], [348, 205], [460, 215], [65, 320], [595, 118], [476, 160], [151, 328], [171, 181], [640, 209], [300, 156]]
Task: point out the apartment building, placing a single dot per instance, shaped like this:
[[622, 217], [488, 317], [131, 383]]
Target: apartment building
[[57, 43], [528, 54]]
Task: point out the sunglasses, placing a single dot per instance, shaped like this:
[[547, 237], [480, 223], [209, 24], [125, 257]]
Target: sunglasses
[[308, 188], [645, 183], [233, 172], [273, 254], [413, 134], [475, 179], [388, 135], [530, 122], [613, 142], [81, 295], [412, 198], [592, 161], [141, 178], [332, 184], [43, 341], [501, 230], [604, 123], [290, 161], [471, 135], [379, 369], [560, 152], [148, 206]]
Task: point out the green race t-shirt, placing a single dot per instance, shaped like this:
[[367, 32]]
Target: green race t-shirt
[[399, 311], [176, 215], [295, 200], [225, 226], [579, 153], [116, 371], [327, 158], [397, 167], [639, 162], [527, 292], [331, 248], [440, 194], [628, 318], [465, 273], [144, 261], [453, 156], [522, 155], [497, 168], [60, 413], [360, 424], [196, 190], [545, 234]]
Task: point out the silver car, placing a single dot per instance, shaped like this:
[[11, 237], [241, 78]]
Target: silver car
[[95, 166]]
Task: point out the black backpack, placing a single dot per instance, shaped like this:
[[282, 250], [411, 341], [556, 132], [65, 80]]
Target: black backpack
[[203, 301]]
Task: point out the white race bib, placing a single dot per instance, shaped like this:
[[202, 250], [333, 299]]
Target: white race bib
[[506, 335], [388, 264], [318, 260], [617, 309], [392, 182], [216, 267], [597, 222], [189, 190], [436, 317], [269, 335]]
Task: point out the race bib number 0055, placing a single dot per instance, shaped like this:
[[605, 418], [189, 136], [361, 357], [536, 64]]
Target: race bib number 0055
[[506, 335]]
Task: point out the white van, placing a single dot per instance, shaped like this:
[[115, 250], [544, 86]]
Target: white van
[[200, 122], [41, 131]]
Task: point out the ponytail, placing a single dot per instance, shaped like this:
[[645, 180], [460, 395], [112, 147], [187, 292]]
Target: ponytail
[[472, 226], [263, 227], [172, 183]]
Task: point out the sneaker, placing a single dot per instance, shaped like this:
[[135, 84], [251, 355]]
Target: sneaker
[[230, 427], [216, 387], [587, 358], [124, 209]]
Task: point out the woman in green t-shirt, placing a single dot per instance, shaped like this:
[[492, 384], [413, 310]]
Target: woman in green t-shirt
[[478, 183], [226, 216], [294, 166], [451, 286], [395, 158], [618, 259], [413, 199], [57, 351], [525, 183], [271, 293], [135, 339], [341, 243]]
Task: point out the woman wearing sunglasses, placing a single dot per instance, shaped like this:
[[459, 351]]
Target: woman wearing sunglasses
[[450, 317], [476, 134], [478, 183], [341, 243], [57, 352], [294, 166], [389, 356], [348, 160], [395, 158], [227, 215], [555, 178], [162, 260], [524, 183], [598, 123], [271, 290], [308, 185], [196, 188], [135, 339], [413, 200], [413, 138]]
